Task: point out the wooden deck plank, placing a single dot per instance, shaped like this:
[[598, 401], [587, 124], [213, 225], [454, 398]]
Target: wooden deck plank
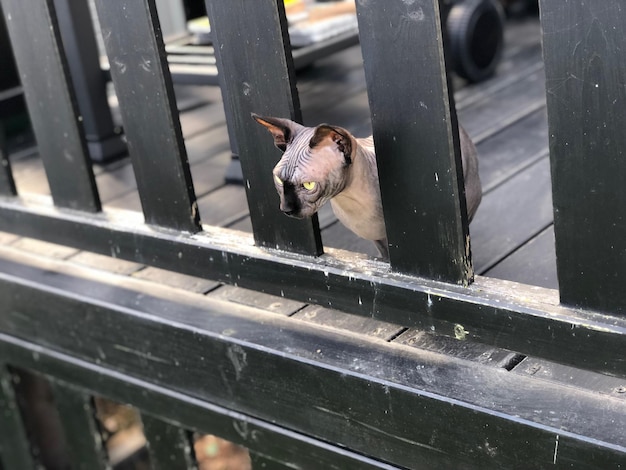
[[533, 263], [510, 215], [208, 175], [176, 280], [459, 348], [508, 152], [507, 105], [540, 368], [354, 323], [338, 236], [250, 298], [208, 144], [106, 263], [224, 205]]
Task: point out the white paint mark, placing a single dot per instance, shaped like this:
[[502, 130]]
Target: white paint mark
[[417, 15], [238, 358], [145, 64], [121, 66], [247, 89], [556, 449], [429, 301], [436, 177], [145, 355], [242, 428]]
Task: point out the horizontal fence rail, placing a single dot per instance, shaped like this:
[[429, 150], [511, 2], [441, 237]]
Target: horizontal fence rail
[[518, 318], [276, 444], [268, 356]]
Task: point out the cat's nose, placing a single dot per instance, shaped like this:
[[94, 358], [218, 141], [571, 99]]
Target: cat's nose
[[289, 207], [291, 212]]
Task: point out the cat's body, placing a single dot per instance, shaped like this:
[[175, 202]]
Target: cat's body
[[327, 163]]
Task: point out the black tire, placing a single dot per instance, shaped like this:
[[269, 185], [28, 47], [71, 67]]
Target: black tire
[[475, 38]]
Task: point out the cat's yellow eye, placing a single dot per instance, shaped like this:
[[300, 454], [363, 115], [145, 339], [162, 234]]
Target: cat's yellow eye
[[278, 181], [309, 185]]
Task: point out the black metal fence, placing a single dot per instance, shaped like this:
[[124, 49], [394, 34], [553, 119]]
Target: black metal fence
[[283, 402]]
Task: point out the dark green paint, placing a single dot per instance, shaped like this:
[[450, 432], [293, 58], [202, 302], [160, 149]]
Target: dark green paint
[[148, 107], [584, 44], [40, 58], [82, 431], [416, 138], [256, 74]]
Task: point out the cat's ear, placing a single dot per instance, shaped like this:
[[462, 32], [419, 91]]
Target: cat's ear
[[335, 136], [283, 130]]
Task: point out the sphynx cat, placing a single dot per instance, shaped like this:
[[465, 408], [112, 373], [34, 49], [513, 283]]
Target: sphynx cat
[[327, 163]]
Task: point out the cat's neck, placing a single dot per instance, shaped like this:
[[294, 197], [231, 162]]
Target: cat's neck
[[363, 171], [358, 206]]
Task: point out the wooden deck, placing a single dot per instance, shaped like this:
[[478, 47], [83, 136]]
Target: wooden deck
[[511, 236]]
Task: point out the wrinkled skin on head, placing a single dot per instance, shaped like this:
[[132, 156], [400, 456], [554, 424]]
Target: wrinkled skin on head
[[314, 165]]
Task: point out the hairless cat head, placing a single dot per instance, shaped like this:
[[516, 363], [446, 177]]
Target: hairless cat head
[[312, 168]]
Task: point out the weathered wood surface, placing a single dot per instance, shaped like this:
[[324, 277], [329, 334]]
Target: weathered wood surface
[[257, 74], [15, 450], [82, 432], [269, 355], [40, 58], [585, 75], [156, 144], [170, 446], [415, 127], [499, 410]]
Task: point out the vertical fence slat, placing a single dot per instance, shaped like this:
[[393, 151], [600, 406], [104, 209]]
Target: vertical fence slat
[[81, 48], [36, 42], [169, 446], [256, 68], [415, 133], [7, 184], [134, 45], [585, 61], [15, 450], [82, 433]]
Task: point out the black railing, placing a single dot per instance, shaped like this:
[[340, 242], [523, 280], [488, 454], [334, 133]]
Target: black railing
[[429, 282]]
